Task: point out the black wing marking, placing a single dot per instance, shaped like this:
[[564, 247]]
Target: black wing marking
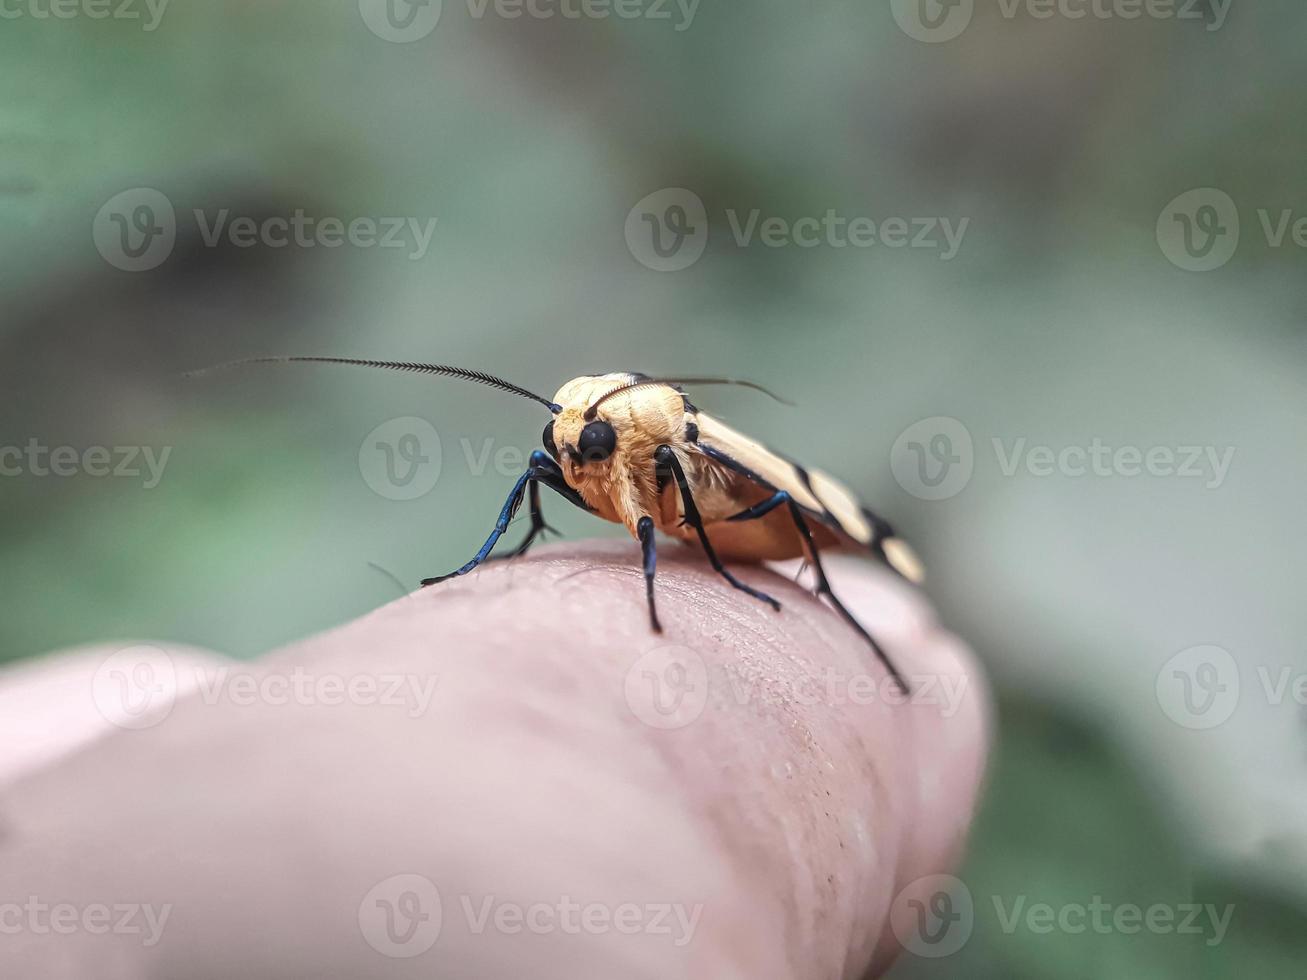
[[823, 515]]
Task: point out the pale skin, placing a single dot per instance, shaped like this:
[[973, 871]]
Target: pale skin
[[790, 810]]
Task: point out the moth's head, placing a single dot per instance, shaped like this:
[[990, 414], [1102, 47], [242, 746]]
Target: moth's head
[[598, 427]]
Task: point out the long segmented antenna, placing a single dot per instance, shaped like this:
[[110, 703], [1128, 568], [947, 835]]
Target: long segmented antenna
[[480, 377], [593, 410]]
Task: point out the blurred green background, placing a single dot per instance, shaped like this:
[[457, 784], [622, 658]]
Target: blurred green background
[[1070, 313]]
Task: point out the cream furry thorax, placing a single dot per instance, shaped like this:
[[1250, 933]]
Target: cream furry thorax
[[622, 487]]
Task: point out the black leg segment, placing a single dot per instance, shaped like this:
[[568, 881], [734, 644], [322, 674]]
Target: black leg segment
[[667, 462], [645, 529], [823, 588], [823, 584]]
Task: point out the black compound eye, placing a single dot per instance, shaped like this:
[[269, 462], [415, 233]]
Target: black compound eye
[[597, 442], [548, 440]]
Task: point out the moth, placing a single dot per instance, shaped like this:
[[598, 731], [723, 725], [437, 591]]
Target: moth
[[636, 451]]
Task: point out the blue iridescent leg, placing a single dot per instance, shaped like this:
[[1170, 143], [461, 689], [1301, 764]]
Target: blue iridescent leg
[[762, 508], [542, 470], [548, 473]]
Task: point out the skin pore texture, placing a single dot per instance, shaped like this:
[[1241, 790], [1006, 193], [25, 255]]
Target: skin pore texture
[[773, 827]]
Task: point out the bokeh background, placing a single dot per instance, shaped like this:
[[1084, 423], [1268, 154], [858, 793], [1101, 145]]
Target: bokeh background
[[1142, 628]]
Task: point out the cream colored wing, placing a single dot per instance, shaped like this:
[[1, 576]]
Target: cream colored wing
[[814, 491]]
